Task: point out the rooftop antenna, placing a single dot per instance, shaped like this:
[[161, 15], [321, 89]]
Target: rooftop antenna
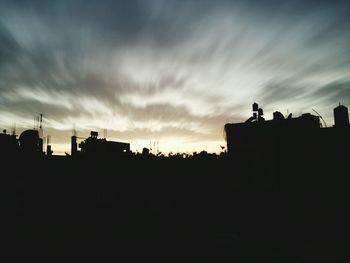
[[325, 124], [74, 131], [287, 114], [41, 121], [14, 129], [105, 133], [41, 124]]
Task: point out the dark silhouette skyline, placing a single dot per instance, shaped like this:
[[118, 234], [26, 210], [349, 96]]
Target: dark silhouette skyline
[[254, 135], [144, 145], [278, 194]]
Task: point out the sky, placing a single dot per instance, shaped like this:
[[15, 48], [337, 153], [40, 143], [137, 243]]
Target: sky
[[171, 71]]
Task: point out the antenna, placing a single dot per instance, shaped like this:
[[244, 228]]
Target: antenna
[[14, 129], [325, 124], [48, 146], [41, 125], [41, 121], [74, 132], [105, 133]]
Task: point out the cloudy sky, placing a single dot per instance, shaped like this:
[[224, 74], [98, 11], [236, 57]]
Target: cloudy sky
[[169, 70]]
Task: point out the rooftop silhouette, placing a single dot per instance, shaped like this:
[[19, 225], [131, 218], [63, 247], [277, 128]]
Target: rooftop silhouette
[[287, 136], [279, 193]]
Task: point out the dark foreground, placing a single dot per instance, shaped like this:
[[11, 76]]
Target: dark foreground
[[182, 210]]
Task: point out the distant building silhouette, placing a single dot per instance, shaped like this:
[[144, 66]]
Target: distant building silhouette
[[341, 117], [259, 139], [8, 144], [28, 144], [93, 146]]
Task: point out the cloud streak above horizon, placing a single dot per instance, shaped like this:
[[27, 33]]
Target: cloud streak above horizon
[[169, 70]]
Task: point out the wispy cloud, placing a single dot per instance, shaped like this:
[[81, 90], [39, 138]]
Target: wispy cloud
[[174, 69]]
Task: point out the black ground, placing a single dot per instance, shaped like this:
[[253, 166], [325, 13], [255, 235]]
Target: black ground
[[173, 210]]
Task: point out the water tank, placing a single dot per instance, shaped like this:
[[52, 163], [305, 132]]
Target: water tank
[[29, 141], [278, 116], [341, 116], [255, 106], [260, 112]]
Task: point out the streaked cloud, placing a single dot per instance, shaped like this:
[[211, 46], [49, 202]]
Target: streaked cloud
[[177, 70]]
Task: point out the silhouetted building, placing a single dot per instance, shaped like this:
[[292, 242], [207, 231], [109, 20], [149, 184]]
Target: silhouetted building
[[8, 144], [341, 117], [93, 146], [259, 139]]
